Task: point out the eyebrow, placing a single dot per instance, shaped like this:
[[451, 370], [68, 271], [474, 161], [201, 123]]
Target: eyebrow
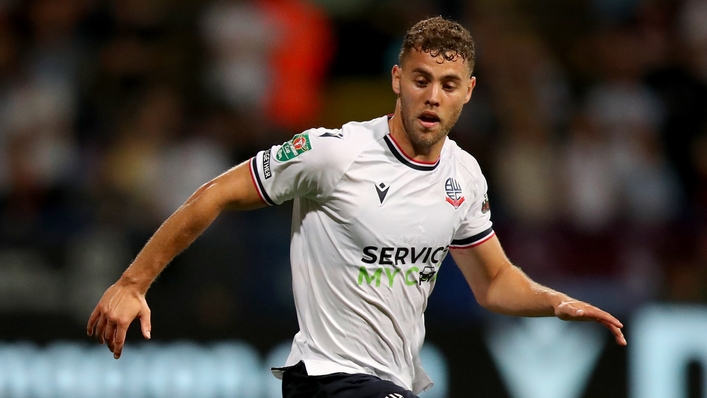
[[428, 74]]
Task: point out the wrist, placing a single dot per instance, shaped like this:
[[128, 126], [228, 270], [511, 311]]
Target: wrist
[[130, 279]]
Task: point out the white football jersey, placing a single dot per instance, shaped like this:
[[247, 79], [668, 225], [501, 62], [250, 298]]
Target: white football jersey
[[370, 228]]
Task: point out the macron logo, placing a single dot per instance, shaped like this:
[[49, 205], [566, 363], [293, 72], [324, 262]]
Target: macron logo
[[382, 190]]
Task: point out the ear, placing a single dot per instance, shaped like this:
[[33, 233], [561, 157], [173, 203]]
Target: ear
[[470, 88], [396, 74]]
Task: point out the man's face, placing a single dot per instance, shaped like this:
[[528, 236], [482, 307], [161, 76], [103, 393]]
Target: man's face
[[432, 92]]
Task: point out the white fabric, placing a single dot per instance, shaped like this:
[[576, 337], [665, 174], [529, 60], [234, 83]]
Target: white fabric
[[368, 224]]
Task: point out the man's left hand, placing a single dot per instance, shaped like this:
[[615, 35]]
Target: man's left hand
[[580, 311]]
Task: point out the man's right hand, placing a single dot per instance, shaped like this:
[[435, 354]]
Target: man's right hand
[[114, 313], [125, 300]]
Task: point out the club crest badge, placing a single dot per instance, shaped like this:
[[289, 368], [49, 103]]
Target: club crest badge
[[454, 193], [485, 206]]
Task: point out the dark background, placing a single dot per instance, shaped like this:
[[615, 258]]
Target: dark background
[[589, 120]]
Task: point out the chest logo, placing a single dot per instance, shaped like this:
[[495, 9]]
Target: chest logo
[[382, 190], [454, 192], [427, 273]]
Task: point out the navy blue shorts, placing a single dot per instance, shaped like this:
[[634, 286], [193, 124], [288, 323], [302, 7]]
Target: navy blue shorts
[[297, 384]]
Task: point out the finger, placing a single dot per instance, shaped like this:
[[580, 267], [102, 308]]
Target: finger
[[92, 321], [100, 328], [575, 311], [109, 334], [145, 323], [120, 333], [618, 334], [584, 312], [600, 315], [569, 311]]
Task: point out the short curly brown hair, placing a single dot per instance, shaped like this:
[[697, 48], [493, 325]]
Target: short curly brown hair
[[439, 36]]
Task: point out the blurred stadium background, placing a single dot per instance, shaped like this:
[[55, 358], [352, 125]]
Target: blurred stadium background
[[589, 120]]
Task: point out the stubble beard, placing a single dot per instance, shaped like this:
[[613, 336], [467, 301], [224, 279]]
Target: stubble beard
[[423, 140]]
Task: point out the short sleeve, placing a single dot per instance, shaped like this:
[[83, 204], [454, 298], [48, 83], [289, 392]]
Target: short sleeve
[[476, 227], [301, 167]]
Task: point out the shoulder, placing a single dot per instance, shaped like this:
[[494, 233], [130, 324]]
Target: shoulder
[[322, 156], [360, 134], [344, 143]]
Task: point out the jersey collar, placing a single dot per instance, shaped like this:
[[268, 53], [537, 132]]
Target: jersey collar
[[404, 159]]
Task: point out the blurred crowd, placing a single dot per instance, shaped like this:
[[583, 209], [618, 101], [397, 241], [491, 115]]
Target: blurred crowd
[[594, 139], [589, 120]]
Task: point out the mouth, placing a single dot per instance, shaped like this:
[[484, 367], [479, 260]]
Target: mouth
[[428, 120]]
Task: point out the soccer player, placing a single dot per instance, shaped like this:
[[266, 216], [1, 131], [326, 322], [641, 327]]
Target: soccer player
[[377, 206]]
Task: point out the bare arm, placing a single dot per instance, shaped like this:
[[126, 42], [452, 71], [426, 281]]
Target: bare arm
[[233, 189], [125, 300], [502, 287]]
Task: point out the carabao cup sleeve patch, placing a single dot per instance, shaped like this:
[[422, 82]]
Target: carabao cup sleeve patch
[[298, 145], [300, 167]]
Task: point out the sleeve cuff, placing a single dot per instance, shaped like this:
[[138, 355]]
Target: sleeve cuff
[[255, 176], [473, 240]]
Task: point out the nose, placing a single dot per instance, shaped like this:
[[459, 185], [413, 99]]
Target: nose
[[433, 95]]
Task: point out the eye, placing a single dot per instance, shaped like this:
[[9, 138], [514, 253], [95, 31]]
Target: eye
[[449, 87], [421, 82]]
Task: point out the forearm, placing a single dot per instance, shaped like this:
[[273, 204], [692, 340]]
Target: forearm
[[512, 292], [172, 237]]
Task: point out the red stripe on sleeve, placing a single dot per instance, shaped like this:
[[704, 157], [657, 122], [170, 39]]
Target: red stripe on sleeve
[[491, 235]]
